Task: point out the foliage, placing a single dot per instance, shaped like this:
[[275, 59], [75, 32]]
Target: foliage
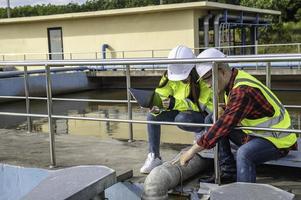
[[278, 33]]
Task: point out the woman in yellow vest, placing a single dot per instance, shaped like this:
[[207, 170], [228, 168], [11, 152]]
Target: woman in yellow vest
[[179, 92], [248, 103]]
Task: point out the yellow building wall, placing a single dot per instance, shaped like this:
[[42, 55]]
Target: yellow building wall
[[84, 36]]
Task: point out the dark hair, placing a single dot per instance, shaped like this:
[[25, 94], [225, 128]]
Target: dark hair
[[194, 92]]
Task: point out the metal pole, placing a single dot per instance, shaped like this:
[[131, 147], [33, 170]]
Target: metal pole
[[299, 122], [299, 51], [27, 100], [268, 75], [50, 119], [128, 85], [153, 57], [70, 56], [96, 55], [8, 8], [215, 116]]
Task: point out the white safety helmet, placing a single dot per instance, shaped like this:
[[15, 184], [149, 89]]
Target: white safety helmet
[[203, 68], [178, 72]]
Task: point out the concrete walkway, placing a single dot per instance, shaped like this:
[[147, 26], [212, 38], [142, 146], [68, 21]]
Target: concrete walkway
[[32, 150]]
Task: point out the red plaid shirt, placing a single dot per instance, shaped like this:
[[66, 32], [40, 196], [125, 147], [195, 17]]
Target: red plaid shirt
[[243, 102]]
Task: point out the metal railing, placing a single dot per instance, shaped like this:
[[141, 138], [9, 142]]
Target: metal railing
[[147, 53], [129, 63]]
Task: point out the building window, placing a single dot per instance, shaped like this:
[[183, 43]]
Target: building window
[[55, 43]]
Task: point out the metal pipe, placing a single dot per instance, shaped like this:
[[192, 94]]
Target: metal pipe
[[39, 71], [103, 50], [168, 175], [268, 75], [148, 122], [206, 30], [215, 117], [257, 58], [130, 114], [216, 29], [26, 88], [50, 118], [99, 100]]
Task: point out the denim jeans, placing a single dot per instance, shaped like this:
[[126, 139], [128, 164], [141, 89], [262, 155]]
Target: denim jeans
[[248, 156], [154, 130]]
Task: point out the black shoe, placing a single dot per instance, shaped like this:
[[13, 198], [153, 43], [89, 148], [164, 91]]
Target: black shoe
[[225, 179]]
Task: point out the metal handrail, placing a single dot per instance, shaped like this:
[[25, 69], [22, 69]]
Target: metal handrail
[[152, 51], [99, 100], [147, 122], [281, 57], [128, 63]]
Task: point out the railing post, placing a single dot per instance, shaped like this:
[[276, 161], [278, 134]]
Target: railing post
[[24, 57], [299, 51], [96, 55], [215, 116], [122, 54], [299, 122], [26, 87], [70, 56], [50, 119], [268, 75], [153, 57], [128, 85]]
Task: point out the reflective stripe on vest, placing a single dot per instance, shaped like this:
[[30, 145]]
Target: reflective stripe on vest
[[205, 99], [273, 120]]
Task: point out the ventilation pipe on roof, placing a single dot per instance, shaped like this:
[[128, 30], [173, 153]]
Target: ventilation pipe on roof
[[103, 50], [206, 30], [168, 175], [216, 29]]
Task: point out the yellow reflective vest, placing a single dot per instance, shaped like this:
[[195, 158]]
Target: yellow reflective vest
[[205, 98], [180, 91], [281, 118]]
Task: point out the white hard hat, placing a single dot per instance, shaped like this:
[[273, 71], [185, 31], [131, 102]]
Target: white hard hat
[[203, 68], [178, 72]]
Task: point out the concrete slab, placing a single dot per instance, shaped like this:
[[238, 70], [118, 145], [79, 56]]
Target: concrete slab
[[124, 191], [293, 159], [81, 182], [249, 191], [17, 181]]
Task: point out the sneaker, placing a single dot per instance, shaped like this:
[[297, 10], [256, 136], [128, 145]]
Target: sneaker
[[150, 163]]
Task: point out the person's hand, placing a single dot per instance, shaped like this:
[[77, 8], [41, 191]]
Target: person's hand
[[166, 103], [155, 110], [186, 156]]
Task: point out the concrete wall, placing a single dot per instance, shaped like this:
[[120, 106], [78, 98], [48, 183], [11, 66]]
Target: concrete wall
[[159, 30], [61, 83]]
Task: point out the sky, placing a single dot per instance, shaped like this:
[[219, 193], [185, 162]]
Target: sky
[[14, 3]]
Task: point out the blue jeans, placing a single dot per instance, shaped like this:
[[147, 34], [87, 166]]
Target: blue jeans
[[154, 130], [256, 151]]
